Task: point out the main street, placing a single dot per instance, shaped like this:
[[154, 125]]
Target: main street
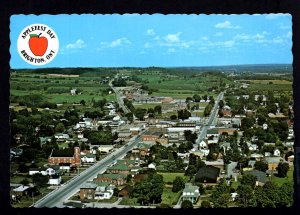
[[212, 120], [58, 196], [118, 96]]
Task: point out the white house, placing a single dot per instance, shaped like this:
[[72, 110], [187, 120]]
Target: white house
[[105, 148], [88, 158], [277, 152], [152, 166], [265, 126], [55, 180], [116, 118], [205, 152], [60, 136], [45, 171], [112, 112], [73, 92], [233, 196], [203, 144], [104, 191], [190, 193], [252, 147]]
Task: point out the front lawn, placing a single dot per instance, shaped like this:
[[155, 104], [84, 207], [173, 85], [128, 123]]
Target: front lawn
[[129, 201], [169, 197], [169, 177], [279, 181]]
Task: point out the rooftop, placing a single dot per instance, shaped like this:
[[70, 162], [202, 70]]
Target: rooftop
[[261, 176], [67, 152], [190, 188], [119, 167], [112, 176]]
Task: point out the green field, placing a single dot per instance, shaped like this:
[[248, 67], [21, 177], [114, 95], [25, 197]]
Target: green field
[[56, 88], [169, 177], [272, 87]]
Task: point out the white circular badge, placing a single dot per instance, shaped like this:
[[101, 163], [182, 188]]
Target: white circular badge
[[38, 44]]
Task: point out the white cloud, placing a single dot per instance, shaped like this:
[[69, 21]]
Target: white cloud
[[282, 26], [259, 37], [171, 50], [289, 34], [218, 34], [242, 37], [119, 42], [273, 16], [77, 45], [147, 45], [226, 25], [278, 40], [247, 38], [115, 43], [172, 38], [204, 38], [150, 32], [229, 43], [265, 33]]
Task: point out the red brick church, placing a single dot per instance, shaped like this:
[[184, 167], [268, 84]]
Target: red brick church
[[65, 157]]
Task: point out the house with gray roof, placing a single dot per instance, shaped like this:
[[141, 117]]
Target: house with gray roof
[[261, 177], [87, 190], [229, 169], [190, 193]]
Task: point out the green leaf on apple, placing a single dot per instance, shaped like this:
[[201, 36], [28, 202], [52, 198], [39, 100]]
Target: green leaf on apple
[[34, 35]]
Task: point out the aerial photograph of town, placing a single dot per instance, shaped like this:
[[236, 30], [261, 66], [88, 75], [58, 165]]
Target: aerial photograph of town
[[154, 111]]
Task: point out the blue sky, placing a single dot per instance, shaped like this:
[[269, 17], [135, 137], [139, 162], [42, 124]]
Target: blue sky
[[161, 40]]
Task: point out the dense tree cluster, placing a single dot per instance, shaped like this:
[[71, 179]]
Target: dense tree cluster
[[120, 82], [149, 190], [183, 114]]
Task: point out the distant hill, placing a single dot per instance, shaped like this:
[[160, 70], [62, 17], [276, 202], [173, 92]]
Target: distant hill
[[256, 68], [261, 68]]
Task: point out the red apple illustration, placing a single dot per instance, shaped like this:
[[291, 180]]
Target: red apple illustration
[[37, 44]]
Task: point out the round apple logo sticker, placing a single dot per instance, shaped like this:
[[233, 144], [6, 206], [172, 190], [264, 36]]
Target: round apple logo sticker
[[38, 44]]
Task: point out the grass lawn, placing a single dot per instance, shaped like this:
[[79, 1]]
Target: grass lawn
[[235, 184], [169, 177], [111, 200], [169, 197], [25, 203], [16, 179], [280, 181], [129, 201]]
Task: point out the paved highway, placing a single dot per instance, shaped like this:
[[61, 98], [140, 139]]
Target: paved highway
[[119, 99], [58, 196], [212, 120]]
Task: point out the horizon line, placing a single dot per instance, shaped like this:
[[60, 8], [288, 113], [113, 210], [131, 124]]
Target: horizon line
[[290, 64]]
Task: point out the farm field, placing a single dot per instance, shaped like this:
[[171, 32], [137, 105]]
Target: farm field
[[55, 88]]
